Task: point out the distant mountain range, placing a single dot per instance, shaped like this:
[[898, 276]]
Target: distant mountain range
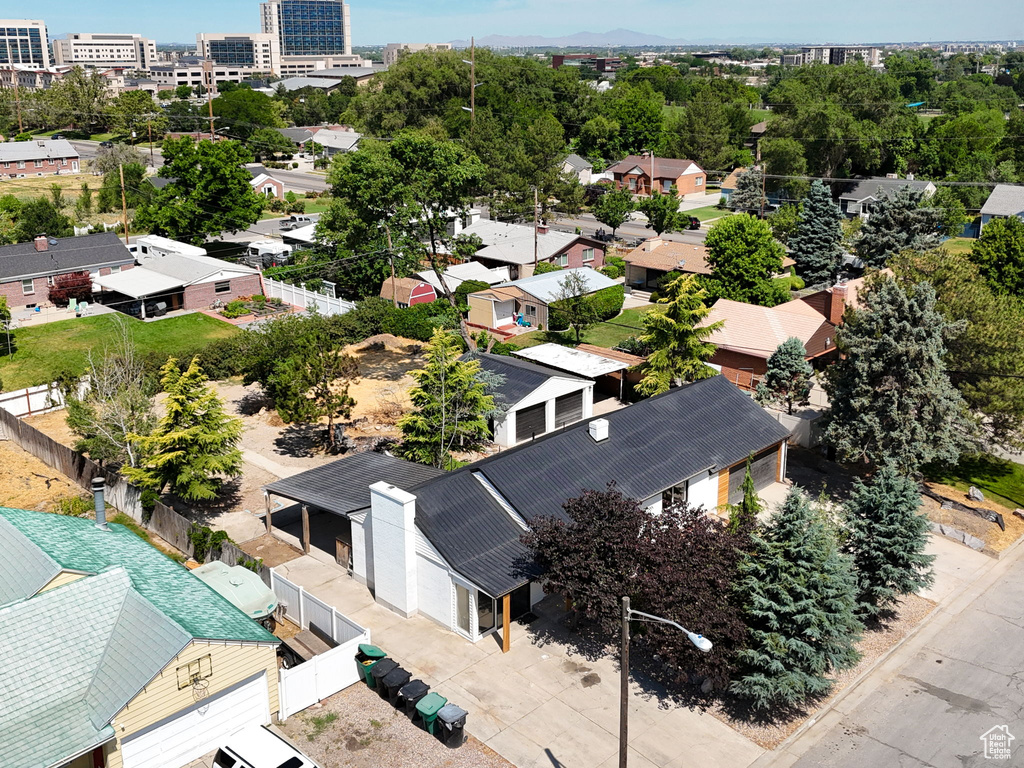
[[615, 38]]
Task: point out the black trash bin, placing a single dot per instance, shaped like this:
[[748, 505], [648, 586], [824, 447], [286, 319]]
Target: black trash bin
[[452, 722], [409, 694], [381, 670], [392, 682]]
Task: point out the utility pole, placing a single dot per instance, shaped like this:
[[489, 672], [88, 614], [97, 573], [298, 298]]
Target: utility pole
[[391, 258], [472, 81], [17, 98], [535, 224], [124, 205], [149, 127], [624, 687], [208, 79], [764, 178]]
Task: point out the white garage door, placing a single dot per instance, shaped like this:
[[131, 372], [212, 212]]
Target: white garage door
[[200, 729]]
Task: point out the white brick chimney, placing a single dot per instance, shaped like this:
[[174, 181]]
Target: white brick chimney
[[393, 526]]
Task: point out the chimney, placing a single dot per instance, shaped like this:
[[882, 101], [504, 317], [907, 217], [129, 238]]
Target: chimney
[[892, 175], [910, 177], [653, 242], [98, 504], [837, 304], [598, 430], [542, 229], [393, 541], [42, 243]]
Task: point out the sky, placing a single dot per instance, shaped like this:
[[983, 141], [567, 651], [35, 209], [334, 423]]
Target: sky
[[742, 21]]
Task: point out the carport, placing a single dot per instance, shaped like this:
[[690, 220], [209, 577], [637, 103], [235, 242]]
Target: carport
[[587, 365], [144, 285]]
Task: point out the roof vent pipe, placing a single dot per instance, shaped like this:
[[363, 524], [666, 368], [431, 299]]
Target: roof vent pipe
[[98, 504], [598, 430]]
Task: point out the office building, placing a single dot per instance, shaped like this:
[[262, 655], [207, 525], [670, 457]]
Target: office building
[[23, 41], [260, 51], [105, 51], [606, 64], [393, 50], [313, 34], [193, 73], [836, 55]]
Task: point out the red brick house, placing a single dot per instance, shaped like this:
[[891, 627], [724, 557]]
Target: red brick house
[[37, 158], [515, 246], [264, 183], [27, 270], [634, 173]]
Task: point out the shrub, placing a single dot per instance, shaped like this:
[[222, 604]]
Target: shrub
[[236, 308], [544, 267], [259, 299], [206, 541], [73, 506], [608, 301], [299, 206], [275, 300], [76, 285], [295, 165]]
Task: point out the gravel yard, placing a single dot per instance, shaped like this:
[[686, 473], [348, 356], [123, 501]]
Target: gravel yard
[[358, 729]]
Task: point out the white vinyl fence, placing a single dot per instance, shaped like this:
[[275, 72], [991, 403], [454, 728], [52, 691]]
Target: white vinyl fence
[[327, 673], [35, 400], [300, 297]]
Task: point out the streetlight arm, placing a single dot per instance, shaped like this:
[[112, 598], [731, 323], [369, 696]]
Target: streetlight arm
[[699, 641]]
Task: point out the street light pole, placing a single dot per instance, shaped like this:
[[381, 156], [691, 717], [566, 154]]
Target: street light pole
[[699, 641]]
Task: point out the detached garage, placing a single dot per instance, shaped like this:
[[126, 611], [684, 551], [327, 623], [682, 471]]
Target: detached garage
[[766, 467]]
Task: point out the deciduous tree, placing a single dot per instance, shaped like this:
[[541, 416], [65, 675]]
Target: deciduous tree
[[613, 208], [662, 211], [573, 306], [41, 217], [999, 254], [787, 379], [743, 257]]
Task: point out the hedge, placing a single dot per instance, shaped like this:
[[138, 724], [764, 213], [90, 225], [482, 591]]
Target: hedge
[[607, 303]]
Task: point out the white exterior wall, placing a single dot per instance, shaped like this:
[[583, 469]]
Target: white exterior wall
[[362, 549], [392, 515], [703, 491], [435, 591], [505, 430]]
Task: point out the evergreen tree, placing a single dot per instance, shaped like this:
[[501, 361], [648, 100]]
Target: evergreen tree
[[678, 341], [194, 444], [798, 592], [452, 406], [892, 400], [898, 222], [743, 516], [817, 244], [788, 378], [887, 541], [748, 197]]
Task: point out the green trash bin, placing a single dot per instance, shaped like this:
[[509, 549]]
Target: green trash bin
[[428, 707], [366, 657]]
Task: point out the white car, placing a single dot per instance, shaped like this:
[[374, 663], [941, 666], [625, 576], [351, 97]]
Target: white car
[[258, 747]]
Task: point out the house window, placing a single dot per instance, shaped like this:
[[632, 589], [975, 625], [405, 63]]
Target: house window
[[666, 186], [115, 270], [588, 254], [38, 163], [530, 310], [21, 163], [222, 286], [485, 613], [49, 282], [28, 287], [677, 494], [562, 260], [699, 181], [632, 184]]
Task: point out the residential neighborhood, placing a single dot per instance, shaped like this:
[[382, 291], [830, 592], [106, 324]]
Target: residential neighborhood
[[513, 395]]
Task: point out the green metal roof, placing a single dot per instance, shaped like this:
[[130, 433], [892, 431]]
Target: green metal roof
[[72, 658], [76, 544]]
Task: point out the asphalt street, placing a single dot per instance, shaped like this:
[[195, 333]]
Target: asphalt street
[[965, 680], [638, 229]]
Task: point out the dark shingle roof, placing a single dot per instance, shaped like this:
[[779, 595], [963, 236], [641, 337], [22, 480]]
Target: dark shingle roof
[[343, 486], [521, 377], [160, 181], [67, 254], [861, 189], [578, 163]]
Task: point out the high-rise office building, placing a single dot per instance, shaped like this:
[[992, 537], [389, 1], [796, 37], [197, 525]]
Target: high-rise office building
[[259, 50], [313, 34], [105, 50], [23, 42]]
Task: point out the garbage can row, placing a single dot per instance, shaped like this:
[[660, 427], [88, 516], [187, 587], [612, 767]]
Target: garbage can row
[[436, 714]]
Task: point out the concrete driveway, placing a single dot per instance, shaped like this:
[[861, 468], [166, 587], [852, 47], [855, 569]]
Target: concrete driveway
[[541, 704]]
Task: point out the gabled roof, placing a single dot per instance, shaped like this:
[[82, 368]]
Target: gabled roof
[[664, 167], [457, 274], [37, 149], [403, 288], [758, 331], [863, 189], [63, 254], [76, 544], [578, 163], [72, 658], [344, 141], [190, 269], [547, 285], [513, 243], [1005, 200], [521, 378], [297, 135], [670, 256]]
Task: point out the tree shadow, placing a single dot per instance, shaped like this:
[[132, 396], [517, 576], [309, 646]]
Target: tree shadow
[[229, 497], [818, 476], [301, 440], [252, 402]]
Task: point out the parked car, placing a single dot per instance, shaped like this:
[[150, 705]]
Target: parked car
[[106, 144], [57, 136], [258, 747], [294, 222], [694, 223]]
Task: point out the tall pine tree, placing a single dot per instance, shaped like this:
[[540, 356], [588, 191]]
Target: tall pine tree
[[748, 197], [892, 401], [887, 541], [817, 244], [195, 444], [678, 341], [798, 592], [743, 516], [898, 222], [788, 376]]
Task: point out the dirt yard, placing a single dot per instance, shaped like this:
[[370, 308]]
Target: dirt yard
[[358, 729], [270, 549], [996, 539], [382, 391], [27, 483]]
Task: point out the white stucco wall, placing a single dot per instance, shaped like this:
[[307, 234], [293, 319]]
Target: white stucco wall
[[362, 549], [703, 491], [435, 591]]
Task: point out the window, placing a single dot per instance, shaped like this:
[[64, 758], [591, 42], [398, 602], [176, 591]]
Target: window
[[28, 287], [666, 186], [562, 260], [632, 184], [676, 494], [484, 613], [529, 310], [49, 282], [698, 181], [21, 163], [115, 270], [222, 286], [37, 163], [588, 254]]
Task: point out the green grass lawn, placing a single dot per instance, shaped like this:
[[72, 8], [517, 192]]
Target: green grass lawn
[[1001, 481], [708, 212], [43, 351], [608, 334], [959, 245], [760, 114]]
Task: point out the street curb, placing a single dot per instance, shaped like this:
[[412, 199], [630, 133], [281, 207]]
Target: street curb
[[770, 757]]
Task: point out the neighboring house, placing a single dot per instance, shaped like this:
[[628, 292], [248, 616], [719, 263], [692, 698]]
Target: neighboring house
[[857, 197], [264, 183], [753, 140], [634, 173], [534, 400], [1004, 201], [515, 246], [300, 135], [178, 275], [750, 334], [115, 656], [37, 158], [578, 167], [448, 545], [457, 274], [507, 305], [654, 258], [614, 373], [335, 141], [406, 291], [730, 182], [324, 84], [27, 270]]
